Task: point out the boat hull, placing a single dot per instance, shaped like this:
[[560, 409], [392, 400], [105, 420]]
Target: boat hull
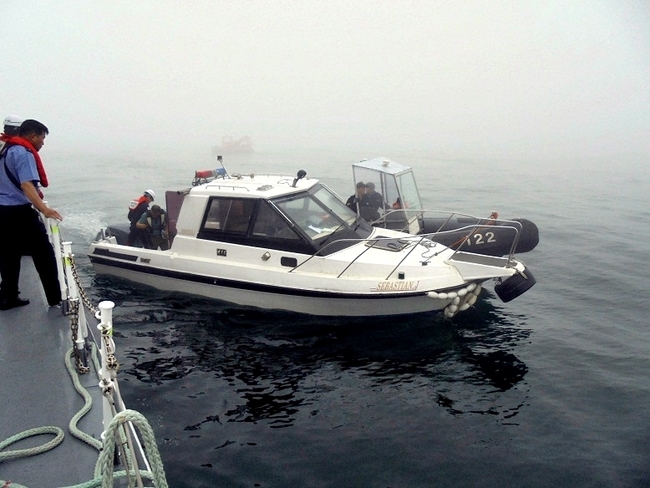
[[311, 302], [478, 236]]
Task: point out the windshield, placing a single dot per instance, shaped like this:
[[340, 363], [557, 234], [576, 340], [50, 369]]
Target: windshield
[[319, 213]]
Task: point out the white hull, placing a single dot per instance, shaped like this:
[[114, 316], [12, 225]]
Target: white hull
[[317, 287], [282, 300]]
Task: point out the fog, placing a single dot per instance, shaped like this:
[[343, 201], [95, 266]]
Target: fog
[[511, 79]]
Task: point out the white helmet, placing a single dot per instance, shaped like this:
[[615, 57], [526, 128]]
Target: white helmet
[[151, 193], [13, 121]]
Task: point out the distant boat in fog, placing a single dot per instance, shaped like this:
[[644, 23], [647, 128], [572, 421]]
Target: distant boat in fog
[[230, 145]]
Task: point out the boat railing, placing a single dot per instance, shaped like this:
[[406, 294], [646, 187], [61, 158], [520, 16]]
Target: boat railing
[[438, 224], [430, 242], [379, 242], [462, 244], [223, 186], [119, 422], [228, 183]]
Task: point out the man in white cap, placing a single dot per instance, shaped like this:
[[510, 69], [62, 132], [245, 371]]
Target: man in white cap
[[11, 127], [137, 207]]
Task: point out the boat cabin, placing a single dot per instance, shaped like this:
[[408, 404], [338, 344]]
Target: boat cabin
[[266, 212], [396, 185]]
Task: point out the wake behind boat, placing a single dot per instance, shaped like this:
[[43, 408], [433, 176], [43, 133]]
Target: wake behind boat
[[290, 243]]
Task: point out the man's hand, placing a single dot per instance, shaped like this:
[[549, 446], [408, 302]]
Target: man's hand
[[50, 213], [32, 195]]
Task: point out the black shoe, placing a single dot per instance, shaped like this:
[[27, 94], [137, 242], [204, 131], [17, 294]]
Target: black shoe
[[9, 303]]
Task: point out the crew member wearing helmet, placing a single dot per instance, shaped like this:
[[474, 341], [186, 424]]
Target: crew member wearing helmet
[[11, 128], [137, 207]]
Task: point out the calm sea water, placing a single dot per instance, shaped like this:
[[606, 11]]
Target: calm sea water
[[551, 389]]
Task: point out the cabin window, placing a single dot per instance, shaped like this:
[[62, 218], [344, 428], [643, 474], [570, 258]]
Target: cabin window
[[229, 215], [270, 224], [409, 191], [318, 214]]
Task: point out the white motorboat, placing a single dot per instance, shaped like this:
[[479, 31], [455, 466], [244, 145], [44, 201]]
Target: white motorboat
[[290, 243]]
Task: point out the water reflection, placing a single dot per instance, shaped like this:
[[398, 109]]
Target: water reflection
[[279, 366]]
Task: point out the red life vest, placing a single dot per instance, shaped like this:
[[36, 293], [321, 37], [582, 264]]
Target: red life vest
[[21, 141], [136, 201]]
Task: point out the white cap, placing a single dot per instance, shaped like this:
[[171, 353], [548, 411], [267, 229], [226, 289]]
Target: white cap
[[13, 121], [151, 193]]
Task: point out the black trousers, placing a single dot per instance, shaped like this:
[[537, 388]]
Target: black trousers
[[139, 237], [23, 233]]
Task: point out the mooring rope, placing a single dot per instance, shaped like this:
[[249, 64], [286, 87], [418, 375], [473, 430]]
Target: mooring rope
[[114, 434], [104, 474], [88, 401], [18, 453]]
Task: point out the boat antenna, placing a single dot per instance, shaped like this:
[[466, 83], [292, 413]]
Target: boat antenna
[[301, 174]]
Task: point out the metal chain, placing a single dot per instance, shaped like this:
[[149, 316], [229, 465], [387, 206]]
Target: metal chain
[[80, 289], [74, 328], [111, 361]]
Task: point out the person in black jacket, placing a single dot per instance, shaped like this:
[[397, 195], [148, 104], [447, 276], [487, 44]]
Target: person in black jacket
[[371, 202], [354, 200]]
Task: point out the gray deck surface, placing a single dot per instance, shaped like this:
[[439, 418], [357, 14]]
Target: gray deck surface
[[36, 390]]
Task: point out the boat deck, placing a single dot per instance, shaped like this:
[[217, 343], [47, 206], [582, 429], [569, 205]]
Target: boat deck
[[37, 391]]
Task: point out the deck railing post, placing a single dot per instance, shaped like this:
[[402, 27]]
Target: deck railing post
[[54, 235], [106, 375]]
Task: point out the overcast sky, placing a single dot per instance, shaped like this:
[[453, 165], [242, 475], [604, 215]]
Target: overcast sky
[[511, 78]]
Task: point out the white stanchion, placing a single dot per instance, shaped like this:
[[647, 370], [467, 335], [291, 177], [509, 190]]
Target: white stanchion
[[106, 375], [54, 235], [73, 295]]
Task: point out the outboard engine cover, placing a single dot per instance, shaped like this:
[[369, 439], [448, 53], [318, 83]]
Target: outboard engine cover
[[515, 285], [120, 232]]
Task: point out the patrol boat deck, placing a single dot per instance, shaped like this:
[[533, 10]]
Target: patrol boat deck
[[38, 391], [49, 435]]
